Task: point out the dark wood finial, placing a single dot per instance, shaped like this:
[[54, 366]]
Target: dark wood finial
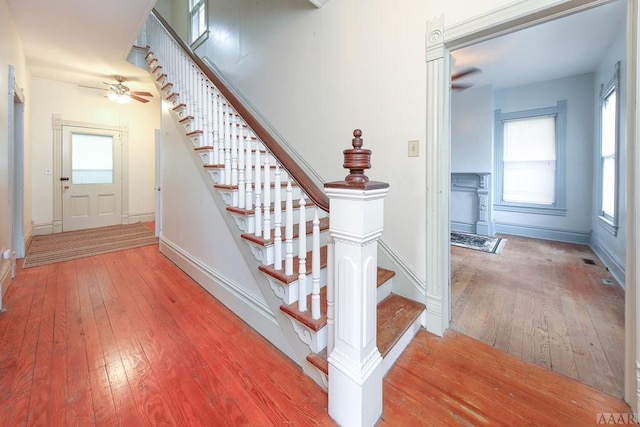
[[357, 160]]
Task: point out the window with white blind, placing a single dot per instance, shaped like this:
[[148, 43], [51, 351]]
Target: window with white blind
[[197, 22], [530, 160], [608, 173]]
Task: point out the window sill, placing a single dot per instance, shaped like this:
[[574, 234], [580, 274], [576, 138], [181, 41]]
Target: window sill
[[201, 39], [539, 210], [609, 225]]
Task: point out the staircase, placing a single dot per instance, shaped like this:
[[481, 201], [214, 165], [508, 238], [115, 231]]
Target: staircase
[[279, 212]]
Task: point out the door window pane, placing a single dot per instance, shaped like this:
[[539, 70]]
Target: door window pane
[[91, 159]]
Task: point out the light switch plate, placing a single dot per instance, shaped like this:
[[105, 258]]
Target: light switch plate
[[414, 148]]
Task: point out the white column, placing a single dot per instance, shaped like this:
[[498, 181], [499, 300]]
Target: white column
[[438, 180], [355, 364]]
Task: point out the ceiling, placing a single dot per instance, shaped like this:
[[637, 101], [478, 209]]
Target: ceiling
[[564, 47], [84, 42]]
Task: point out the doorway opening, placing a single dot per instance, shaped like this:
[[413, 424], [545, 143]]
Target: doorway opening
[[538, 300]]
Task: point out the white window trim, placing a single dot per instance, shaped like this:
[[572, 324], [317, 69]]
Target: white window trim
[[558, 208], [610, 223], [204, 35]]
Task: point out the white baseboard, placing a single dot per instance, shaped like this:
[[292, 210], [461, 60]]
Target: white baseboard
[[143, 217], [42, 229], [251, 310], [5, 279], [545, 233], [612, 262], [406, 282]]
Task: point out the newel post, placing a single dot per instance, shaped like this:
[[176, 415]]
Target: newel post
[[356, 208]]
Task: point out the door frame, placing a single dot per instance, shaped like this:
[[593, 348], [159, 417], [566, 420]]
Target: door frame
[[440, 42], [58, 124]]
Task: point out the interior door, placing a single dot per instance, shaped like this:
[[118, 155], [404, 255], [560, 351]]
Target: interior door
[[91, 181]]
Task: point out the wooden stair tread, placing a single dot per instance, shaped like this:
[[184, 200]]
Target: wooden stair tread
[[296, 205], [316, 324], [259, 240], [305, 317], [235, 187], [204, 148], [279, 274], [395, 314]]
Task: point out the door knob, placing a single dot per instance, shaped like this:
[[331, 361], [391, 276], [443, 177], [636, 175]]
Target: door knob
[[64, 178], [66, 187]]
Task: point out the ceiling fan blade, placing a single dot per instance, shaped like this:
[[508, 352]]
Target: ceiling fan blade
[[137, 98], [141, 93], [466, 72], [459, 86]]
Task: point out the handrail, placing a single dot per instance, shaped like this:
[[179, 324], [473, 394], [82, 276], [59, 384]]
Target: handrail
[[315, 193]]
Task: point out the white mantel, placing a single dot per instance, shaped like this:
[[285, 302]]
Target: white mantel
[[471, 209]]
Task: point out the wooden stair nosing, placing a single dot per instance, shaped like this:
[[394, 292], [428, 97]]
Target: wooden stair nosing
[[395, 315], [235, 187], [259, 240], [316, 324], [204, 148], [185, 119], [305, 317], [279, 274], [249, 212]]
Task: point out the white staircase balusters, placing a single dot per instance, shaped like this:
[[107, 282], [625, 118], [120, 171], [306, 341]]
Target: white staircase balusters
[[302, 257], [248, 200], [221, 130], [227, 146], [199, 107], [216, 130], [266, 229], [330, 296], [241, 170], [315, 267], [208, 114], [258, 190], [277, 218], [288, 231], [234, 155]]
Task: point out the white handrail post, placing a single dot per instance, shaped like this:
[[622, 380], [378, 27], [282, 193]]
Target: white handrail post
[[356, 222]]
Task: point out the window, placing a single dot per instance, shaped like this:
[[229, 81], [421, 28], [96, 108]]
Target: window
[[608, 173], [530, 160], [91, 159], [197, 22]]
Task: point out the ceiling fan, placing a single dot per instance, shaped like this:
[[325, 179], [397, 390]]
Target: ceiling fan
[[121, 94], [461, 74]]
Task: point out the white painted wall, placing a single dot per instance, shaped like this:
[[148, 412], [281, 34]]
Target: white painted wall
[[11, 53], [613, 246], [86, 105], [317, 74], [578, 91]]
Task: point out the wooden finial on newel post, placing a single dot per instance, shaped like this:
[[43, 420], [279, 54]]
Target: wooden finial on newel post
[[357, 159]]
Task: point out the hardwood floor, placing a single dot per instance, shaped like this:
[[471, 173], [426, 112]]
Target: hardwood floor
[[127, 339], [539, 301]]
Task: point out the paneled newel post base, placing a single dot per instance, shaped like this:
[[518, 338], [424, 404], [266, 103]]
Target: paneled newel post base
[[355, 224]]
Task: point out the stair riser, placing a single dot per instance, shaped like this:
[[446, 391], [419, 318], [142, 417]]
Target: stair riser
[[231, 197], [243, 220], [289, 293], [266, 254]]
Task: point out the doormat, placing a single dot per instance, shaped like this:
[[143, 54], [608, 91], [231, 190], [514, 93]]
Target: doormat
[[60, 247], [488, 244]]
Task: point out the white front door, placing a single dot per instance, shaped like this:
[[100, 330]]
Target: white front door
[[91, 180]]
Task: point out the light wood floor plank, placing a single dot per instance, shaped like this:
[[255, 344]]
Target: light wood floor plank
[[127, 339]]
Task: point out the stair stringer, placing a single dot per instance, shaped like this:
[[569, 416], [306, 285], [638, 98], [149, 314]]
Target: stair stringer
[[292, 346]]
